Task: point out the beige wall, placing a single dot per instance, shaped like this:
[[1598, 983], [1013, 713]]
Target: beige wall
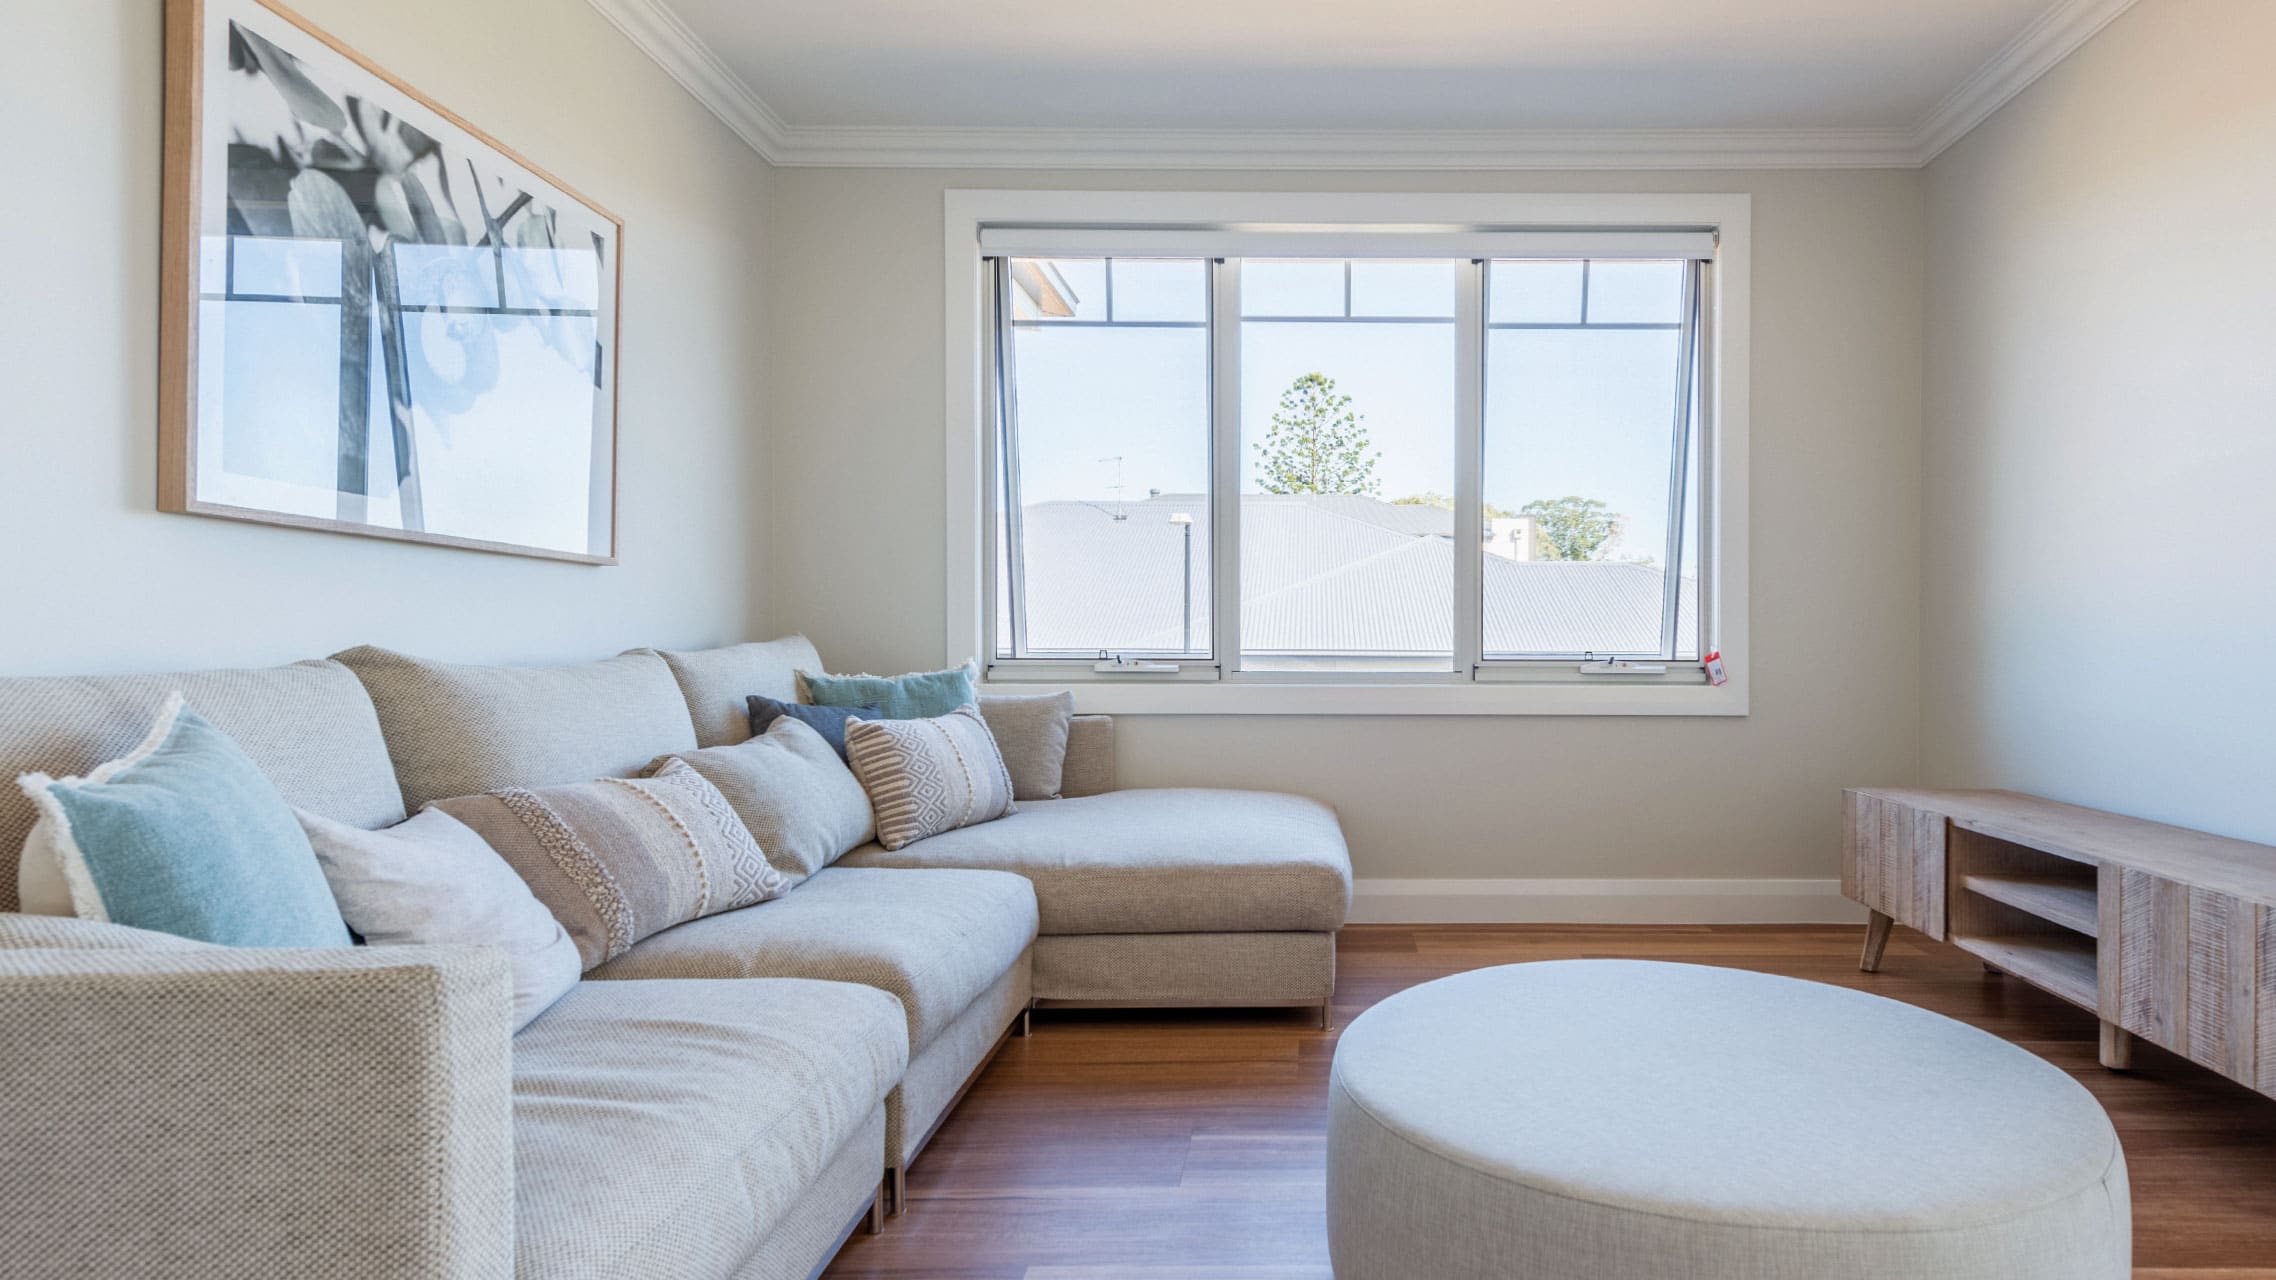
[[92, 578], [856, 522], [2100, 602]]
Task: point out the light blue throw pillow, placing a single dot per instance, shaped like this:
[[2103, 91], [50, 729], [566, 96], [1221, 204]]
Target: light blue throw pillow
[[921, 696], [185, 835]]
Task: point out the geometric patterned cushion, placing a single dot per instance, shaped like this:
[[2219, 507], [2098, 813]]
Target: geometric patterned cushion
[[618, 859], [925, 777]]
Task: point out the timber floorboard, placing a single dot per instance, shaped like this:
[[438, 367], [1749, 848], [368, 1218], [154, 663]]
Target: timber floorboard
[[1114, 1145]]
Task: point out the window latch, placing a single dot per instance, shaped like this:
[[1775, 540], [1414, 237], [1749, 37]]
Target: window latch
[[1117, 664], [1591, 665]]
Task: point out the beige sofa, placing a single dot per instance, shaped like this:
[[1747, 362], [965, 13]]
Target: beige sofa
[[724, 1099]]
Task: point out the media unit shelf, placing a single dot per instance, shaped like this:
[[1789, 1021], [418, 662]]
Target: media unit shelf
[[2163, 933]]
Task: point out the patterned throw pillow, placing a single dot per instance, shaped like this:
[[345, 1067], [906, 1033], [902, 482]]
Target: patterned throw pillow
[[618, 859], [928, 776]]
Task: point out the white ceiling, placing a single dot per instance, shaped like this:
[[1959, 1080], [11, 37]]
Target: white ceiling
[[1457, 80]]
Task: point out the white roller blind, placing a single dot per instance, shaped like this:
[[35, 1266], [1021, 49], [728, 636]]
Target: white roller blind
[[1323, 241]]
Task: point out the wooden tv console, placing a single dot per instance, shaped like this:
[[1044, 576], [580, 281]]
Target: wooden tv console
[[2163, 933]]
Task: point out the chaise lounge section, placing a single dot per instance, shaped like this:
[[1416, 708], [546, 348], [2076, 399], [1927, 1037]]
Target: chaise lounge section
[[723, 1098]]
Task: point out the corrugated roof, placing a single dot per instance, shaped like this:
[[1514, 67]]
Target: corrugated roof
[[1324, 574]]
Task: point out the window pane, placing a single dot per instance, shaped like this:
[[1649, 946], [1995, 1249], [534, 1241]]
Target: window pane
[[1534, 293], [1047, 289], [1312, 288], [1347, 457], [1151, 289], [1635, 292], [1107, 461], [1403, 289], [1579, 434]]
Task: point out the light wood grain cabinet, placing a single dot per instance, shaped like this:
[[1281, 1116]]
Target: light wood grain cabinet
[[1893, 860], [2194, 971], [2164, 933]]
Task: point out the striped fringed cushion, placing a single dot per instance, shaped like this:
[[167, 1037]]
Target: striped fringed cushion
[[928, 776], [618, 859]]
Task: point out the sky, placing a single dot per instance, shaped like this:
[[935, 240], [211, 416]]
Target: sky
[[1108, 412]]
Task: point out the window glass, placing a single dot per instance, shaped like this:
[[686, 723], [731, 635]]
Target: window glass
[[1103, 500], [1535, 293], [1309, 288], [1580, 429], [1347, 446]]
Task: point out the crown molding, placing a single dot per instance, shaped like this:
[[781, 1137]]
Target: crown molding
[[2052, 37], [657, 31], [1445, 149]]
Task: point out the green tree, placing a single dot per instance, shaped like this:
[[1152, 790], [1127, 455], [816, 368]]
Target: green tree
[[1574, 528], [1316, 444]]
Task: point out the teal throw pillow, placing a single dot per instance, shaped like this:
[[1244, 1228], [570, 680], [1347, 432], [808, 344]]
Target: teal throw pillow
[[921, 696], [185, 835]]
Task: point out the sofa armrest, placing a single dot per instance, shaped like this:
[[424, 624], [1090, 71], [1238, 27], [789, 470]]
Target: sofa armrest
[[221, 1111], [1090, 757]]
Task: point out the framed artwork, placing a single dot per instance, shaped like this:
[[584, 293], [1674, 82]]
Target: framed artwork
[[375, 318]]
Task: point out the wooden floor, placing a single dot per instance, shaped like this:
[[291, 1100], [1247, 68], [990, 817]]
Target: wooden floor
[[1118, 1146]]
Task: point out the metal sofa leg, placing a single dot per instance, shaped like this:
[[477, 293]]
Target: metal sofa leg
[[875, 1223], [896, 1191]]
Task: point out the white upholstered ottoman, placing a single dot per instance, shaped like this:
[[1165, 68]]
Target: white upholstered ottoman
[[1626, 1120]]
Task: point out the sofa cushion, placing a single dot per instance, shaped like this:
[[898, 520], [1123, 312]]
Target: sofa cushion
[[801, 803], [309, 726], [1159, 861], [716, 681], [829, 722], [915, 696], [431, 880], [935, 939], [928, 776], [185, 835], [1031, 732], [455, 730], [618, 859], [664, 1128]]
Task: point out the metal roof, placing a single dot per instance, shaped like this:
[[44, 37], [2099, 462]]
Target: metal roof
[[1323, 574]]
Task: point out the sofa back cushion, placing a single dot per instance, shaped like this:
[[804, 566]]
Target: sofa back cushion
[[456, 730], [310, 727], [715, 682]]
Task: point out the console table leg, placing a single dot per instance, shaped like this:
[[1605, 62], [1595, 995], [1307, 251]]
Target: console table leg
[[2117, 1047], [1876, 938]]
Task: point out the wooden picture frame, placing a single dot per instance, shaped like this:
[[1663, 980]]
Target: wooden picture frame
[[465, 286]]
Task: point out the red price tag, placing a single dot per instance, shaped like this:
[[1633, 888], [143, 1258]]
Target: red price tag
[[1715, 673]]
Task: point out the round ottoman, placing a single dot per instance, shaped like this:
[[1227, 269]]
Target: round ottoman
[[1626, 1120]]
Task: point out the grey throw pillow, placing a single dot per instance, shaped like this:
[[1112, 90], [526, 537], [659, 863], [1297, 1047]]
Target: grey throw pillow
[[1031, 731], [800, 801]]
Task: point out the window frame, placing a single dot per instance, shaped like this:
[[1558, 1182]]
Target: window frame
[[1477, 686]]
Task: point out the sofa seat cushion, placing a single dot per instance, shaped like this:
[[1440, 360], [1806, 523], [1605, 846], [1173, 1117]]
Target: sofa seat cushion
[[934, 939], [663, 1128], [1159, 861]]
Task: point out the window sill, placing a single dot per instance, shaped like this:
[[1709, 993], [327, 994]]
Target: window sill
[[1137, 696]]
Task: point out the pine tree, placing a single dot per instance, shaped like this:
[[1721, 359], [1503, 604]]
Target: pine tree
[[1316, 444]]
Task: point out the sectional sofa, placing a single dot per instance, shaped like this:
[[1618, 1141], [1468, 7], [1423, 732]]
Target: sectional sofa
[[731, 1097]]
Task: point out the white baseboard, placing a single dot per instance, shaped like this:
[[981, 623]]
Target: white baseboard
[[1602, 902]]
